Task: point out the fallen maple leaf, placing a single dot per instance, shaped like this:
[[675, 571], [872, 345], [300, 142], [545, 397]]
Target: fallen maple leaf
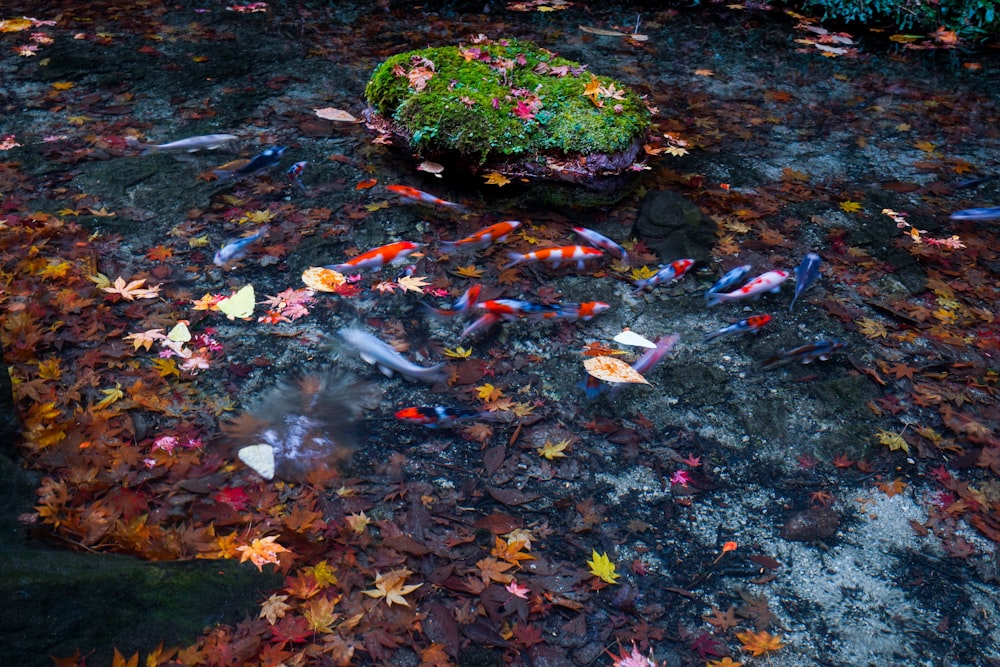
[[759, 643], [413, 283], [610, 369], [392, 586], [551, 450], [132, 290], [602, 567], [261, 551], [496, 178], [274, 608]]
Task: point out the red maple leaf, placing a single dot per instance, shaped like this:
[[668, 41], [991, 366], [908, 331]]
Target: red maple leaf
[[523, 111]]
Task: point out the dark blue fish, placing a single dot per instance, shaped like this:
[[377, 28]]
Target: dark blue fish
[[991, 213], [259, 164], [973, 182], [805, 273], [805, 354], [732, 278], [752, 324]]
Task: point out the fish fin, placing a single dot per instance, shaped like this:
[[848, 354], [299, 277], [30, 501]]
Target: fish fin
[[515, 259], [714, 298], [385, 370]]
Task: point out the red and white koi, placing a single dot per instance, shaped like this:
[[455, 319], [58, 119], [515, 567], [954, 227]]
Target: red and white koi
[[508, 310], [484, 237], [294, 174], [376, 258], [752, 324], [556, 256], [767, 282], [435, 416], [601, 241], [416, 196], [667, 273]]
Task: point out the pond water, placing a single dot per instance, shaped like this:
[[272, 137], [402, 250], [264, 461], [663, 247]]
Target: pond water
[[844, 512]]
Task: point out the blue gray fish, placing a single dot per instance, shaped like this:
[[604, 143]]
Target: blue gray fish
[[379, 354], [269, 158], [207, 142], [805, 354], [991, 213], [731, 279], [805, 273], [237, 249]]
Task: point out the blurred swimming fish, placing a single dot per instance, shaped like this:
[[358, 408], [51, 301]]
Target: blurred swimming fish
[[991, 213], [269, 158], [484, 237], [207, 142], [805, 273], [730, 279], [766, 282], [237, 249], [379, 354], [468, 299], [435, 416], [667, 273], [555, 256], [376, 258], [806, 354], [294, 174], [752, 324], [420, 197], [601, 241]]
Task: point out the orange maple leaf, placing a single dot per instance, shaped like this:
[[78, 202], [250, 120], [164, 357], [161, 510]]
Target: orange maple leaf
[[759, 643], [392, 586], [261, 550]]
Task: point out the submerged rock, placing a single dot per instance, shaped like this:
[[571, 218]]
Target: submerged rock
[[510, 107], [674, 227], [811, 525]]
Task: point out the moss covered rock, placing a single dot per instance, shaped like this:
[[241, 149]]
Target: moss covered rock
[[511, 107]]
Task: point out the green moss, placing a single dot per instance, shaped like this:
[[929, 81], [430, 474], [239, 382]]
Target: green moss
[[469, 104]]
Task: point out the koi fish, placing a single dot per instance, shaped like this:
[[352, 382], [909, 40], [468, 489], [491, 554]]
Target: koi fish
[[806, 354], [668, 272], [556, 256], [805, 273], [208, 142], [508, 310], [468, 299], [259, 164], [376, 258], [420, 197], [238, 249], [484, 237], [294, 174], [375, 352], [752, 324], [766, 282], [991, 213], [434, 416], [730, 279], [601, 241]]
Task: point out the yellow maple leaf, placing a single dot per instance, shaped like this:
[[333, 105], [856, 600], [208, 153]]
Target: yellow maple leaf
[[522, 409], [49, 369], [458, 353], [358, 522], [166, 367], [261, 551], [319, 613], [642, 273], [110, 396], [591, 89], [850, 206], [602, 567], [759, 643], [322, 573], [727, 661], [100, 280], [871, 329], [892, 440], [63, 85], [554, 450], [78, 120], [392, 586], [925, 146], [496, 178], [488, 392], [371, 208]]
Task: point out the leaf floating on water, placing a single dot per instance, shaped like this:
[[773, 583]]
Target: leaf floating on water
[[320, 279], [628, 337], [259, 458], [239, 305], [339, 115], [610, 369], [180, 333]]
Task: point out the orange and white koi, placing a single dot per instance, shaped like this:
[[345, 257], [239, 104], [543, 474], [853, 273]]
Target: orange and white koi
[[767, 282], [556, 256], [377, 257], [414, 195], [601, 241], [468, 299], [667, 273], [484, 237]]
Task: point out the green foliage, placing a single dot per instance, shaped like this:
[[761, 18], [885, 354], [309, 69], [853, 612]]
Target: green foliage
[[468, 104], [971, 19]]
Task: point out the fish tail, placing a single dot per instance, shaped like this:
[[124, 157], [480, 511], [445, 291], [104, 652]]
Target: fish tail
[[438, 312], [448, 246], [515, 259], [714, 299]]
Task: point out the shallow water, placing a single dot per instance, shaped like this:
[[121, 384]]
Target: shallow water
[[781, 139]]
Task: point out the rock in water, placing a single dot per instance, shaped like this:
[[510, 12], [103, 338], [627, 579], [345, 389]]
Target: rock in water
[[509, 107], [674, 227], [811, 525], [302, 427]]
